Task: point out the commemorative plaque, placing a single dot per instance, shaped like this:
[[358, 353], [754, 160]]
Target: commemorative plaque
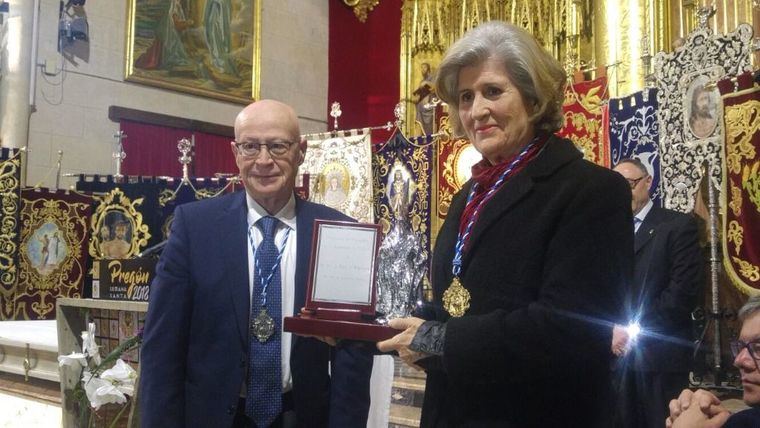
[[341, 293]]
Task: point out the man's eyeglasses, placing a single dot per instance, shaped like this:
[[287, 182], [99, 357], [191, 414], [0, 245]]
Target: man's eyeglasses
[[752, 347], [635, 181], [253, 149]]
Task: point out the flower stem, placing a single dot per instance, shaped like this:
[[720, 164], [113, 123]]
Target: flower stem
[[118, 415]]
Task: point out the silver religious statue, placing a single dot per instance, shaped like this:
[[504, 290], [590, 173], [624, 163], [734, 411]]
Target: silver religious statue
[[403, 260]]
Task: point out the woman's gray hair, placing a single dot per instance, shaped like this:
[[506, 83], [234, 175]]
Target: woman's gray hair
[[750, 308], [538, 77]]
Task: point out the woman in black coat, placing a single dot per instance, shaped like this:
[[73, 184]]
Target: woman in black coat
[[530, 267]]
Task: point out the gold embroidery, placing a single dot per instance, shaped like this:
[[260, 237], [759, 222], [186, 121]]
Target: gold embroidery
[[166, 196], [589, 101], [742, 122], [117, 227], [736, 199], [52, 239], [747, 269], [751, 183], [9, 201], [584, 142], [735, 234]]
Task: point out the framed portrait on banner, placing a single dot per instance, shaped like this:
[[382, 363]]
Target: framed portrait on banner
[[205, 47]]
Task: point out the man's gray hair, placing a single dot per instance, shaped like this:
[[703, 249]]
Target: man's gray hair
[[750, 308], [635, 162], [537, 75]]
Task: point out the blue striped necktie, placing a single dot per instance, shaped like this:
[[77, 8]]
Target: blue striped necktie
[[264, 389]]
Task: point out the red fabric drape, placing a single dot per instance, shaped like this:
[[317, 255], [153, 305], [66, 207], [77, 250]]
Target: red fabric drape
[[152, 150], [364, 65]]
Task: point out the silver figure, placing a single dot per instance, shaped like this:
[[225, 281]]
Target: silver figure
[[401, 269]]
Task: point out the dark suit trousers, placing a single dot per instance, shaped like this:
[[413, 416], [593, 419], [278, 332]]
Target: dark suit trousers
[[643, 397]]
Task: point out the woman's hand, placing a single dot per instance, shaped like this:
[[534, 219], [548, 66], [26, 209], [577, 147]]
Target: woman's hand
[[400, 342]]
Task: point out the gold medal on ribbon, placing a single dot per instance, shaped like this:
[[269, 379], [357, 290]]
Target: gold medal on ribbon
[[456, 299]]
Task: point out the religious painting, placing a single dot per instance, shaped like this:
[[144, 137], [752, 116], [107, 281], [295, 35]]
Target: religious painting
[[700, 108], [115, 234], [205, 47], [335, 184], [340, 168], [401, 189], [47, 248], [117, 226]]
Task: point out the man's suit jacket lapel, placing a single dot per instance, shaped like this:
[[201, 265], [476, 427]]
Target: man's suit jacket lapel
[[647, 230], [304, 227], [232, 224], [556, 153]]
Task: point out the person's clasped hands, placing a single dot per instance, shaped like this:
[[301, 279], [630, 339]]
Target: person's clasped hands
[[696, 409]]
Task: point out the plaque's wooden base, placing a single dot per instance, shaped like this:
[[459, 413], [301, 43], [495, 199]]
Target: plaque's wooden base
[[369, 331]]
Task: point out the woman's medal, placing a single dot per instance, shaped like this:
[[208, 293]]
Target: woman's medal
[[456, 298]]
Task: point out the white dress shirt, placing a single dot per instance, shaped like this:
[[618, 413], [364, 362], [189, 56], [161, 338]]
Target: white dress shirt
[[639, 218], [287, 226]]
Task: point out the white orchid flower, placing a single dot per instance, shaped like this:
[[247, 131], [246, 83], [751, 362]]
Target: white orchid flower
[[75, 359], [122, 376], [100, 391], [89, 347], [113, 385]]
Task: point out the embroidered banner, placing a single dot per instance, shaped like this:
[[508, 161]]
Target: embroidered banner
[[455, 158], [741, 184], [403, 182], [10, 187], [52, 250], [126, 217], [634, 133], [582, 109], [175, 192], [689, 108], [340, 170]]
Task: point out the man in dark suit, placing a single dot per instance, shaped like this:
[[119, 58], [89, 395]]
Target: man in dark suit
[[214, 353], [667, 282]]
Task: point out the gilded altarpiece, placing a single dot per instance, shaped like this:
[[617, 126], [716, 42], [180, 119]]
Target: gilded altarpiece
[[10, 188], [690, 111], [741, 188], [429, 27], [582, 109], [340, 171], [402, 184], [52, 250]]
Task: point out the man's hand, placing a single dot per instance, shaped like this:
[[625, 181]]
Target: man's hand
[[620, 341], [400, 342], [699, 409]]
